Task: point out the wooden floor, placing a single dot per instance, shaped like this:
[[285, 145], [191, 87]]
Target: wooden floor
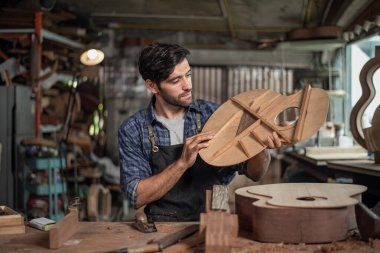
[[107, 236]]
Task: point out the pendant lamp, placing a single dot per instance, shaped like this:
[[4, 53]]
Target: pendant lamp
[[92, 57]]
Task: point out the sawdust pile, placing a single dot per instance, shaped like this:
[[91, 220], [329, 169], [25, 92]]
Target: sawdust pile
[[352, 244]]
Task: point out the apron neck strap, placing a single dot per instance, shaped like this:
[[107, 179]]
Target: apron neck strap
[[152, 135]]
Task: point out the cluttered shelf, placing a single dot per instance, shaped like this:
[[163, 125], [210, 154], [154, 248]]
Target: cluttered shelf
[[108, 236]]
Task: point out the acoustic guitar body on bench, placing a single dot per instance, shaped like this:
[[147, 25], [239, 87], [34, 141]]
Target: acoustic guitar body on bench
[[298, 212]]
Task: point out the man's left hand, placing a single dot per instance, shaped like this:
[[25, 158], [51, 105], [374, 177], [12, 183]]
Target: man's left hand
[[274, 141]]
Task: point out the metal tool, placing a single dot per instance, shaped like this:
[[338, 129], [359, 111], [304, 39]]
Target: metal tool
[[142, 224], [75, 202], [162, 243], [174, 238]]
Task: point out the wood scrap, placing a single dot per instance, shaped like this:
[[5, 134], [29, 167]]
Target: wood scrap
[[11, 222], [64, 229]]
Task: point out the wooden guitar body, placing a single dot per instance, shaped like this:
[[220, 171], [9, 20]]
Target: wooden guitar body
[[242, 124], [368, 94], [368, 138], [298, 212]]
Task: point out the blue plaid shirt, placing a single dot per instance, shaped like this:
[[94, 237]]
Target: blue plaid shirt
[[135, 147]]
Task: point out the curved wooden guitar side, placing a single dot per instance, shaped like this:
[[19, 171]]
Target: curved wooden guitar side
[[368, 94], [242, 124], [298, 212]]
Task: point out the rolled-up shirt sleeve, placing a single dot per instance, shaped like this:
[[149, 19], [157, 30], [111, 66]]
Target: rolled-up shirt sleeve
[[134, 165]]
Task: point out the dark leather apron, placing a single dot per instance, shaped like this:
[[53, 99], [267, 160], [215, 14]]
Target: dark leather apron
[[186, 200]]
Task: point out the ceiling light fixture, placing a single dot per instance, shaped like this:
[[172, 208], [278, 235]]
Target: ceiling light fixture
[[92, 57]]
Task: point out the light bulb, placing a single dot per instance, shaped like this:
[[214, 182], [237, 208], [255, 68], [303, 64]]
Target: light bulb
[[92, 54]]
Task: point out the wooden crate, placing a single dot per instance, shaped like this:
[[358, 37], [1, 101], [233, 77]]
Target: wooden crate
[[11, 222]]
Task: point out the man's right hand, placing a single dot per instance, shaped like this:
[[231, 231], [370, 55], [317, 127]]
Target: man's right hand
[[192, 146]]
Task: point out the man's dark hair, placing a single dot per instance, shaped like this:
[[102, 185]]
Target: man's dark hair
[[157, 61]]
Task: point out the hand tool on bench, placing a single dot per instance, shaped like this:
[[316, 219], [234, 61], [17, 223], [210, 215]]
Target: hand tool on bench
[[161, 243], [142, 224], [66, 227]]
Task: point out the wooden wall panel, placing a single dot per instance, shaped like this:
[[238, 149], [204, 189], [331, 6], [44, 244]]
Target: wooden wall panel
[[218, 83]]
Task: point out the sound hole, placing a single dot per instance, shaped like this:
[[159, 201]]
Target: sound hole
[[309, 198], [287, 117]]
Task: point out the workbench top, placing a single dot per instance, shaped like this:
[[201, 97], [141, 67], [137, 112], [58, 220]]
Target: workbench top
[[107, 236]]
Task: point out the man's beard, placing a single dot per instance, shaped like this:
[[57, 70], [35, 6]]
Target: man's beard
[[176, 101]]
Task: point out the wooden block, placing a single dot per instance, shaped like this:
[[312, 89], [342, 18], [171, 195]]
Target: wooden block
[[9, 217], [219, 229], [218, 225], [64, 229], [11, 222], [11, 230]]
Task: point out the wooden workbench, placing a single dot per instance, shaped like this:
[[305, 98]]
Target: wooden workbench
[[107, 236], [365, 167]]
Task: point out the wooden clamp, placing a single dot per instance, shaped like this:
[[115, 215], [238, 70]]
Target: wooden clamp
[[218, 225]]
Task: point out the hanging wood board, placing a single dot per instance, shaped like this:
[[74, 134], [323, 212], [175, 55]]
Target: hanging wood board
[[298, 212], [242, 124]]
